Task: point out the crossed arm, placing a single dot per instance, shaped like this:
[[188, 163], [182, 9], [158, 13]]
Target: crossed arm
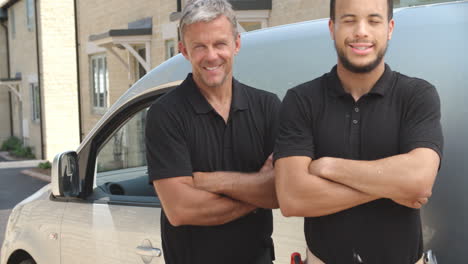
[[184, 204], [328, 185], [215, 198], [254, 188]]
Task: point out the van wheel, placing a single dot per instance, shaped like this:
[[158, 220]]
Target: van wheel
[[28, 261]]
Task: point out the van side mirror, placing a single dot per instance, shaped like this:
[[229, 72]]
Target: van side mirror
[[65, 176]]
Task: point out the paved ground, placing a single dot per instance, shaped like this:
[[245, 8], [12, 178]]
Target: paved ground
[[14, 187]]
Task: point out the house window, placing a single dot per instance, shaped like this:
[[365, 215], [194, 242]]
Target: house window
[[30, 14], [99, 81], [248, 20], [250, 25], [170, 48], [13, 23], [140, 70], [35, 102]]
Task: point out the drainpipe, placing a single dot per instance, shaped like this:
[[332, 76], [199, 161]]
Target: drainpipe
[[39, 80], [8, 48], [8, 75], [77, 47], [11, 113]]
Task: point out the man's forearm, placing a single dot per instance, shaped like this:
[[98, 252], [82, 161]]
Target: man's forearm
[[254, 188], [303, 194], [401, 177], [197, 207], [323, 197]]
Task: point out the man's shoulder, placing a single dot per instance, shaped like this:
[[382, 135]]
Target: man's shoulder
[[312, 87], [171, 103], [253, 92], [174, 98], [412, 84]]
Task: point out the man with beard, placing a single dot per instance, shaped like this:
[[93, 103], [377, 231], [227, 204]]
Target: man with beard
[[358, 148], [209, 143]]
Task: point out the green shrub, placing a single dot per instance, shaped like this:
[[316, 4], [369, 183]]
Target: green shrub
[[11, 144], [45, 165], [15, 147], [23, 152]]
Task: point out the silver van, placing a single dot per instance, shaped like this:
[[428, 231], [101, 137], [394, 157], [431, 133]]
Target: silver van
[[99, 207]]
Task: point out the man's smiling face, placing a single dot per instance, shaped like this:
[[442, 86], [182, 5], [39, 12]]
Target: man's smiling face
[[210, 47], [361, 31]]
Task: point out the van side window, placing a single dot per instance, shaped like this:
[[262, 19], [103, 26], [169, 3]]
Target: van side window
[[121, 161]]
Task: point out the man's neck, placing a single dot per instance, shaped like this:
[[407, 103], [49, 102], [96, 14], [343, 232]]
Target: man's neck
[[359, 84], [219, 97]]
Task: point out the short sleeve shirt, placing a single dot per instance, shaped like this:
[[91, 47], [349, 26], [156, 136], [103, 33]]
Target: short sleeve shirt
[[319, 119], [185, 134]]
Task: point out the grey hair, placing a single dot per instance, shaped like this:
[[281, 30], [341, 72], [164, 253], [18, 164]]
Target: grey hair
[[206, 11]]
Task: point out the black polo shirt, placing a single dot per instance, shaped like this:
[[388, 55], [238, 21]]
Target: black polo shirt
[[185, 134], [319, 119]]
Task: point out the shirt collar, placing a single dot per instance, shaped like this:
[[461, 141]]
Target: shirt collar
[[201, 105], [384, 83]]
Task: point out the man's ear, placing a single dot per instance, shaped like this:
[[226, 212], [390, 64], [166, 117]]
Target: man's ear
[[238, 43], [391, 26], [331, 28], [183, 49]]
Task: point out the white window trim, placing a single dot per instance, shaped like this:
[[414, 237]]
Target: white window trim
[[30, 14], [137, 63], [35, 103], [167, 47], [261, 16], [13, 22], [98, 109]]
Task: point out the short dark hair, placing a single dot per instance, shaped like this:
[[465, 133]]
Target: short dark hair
[[389, 14]]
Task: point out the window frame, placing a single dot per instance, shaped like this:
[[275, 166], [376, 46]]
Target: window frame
[[260, 16], [35, 102], [95, 97], [87, 156], [30, 15], [168, 43], [13, 22], [141, 50]]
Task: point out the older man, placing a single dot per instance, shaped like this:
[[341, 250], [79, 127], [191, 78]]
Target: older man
[[209, 143], [358, 149]]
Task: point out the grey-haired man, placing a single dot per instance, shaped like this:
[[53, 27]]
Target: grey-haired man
[[209, 143]]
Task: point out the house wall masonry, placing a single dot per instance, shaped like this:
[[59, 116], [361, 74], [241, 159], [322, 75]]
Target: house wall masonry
[[292, 11], [23, 63], [96, 17], [58, 76]]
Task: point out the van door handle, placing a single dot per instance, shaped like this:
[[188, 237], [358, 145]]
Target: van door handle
[[148, 251]]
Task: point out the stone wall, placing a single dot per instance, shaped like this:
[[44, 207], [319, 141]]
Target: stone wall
[[58, 76]]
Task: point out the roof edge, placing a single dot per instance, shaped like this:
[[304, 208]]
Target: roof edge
[[122, 33], [7, 3], [10, 79]]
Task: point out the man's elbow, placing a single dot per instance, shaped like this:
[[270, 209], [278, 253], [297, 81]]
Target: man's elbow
[[422, 190], [176, 218], [288, 209], [423, 173], [290, 206], [421, 187]]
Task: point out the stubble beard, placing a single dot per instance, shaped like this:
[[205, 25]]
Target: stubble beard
[[206, 83], [347, 64]]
